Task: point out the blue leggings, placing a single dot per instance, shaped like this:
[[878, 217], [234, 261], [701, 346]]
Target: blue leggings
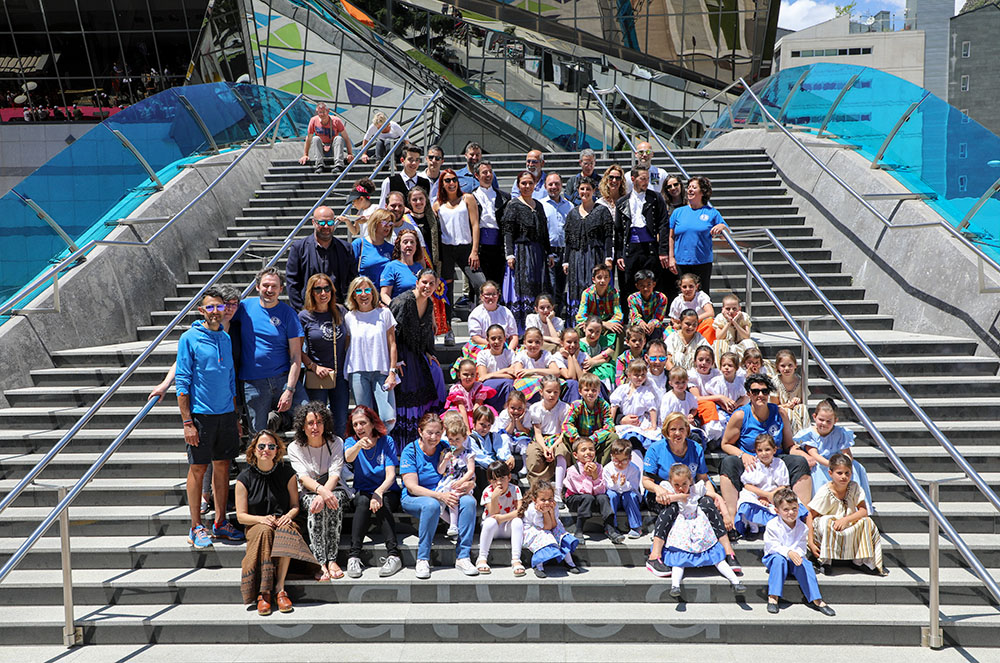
[[428, 510], [779, 567]]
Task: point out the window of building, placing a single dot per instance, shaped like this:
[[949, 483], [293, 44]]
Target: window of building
[[841, 51], [854, 51], [796, 54], [963, 183], [965, 83], [866, 51], [966, 49], [963, 150], [830, 51]]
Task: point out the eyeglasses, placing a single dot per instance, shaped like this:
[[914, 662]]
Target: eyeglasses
[[657, 357], [232, 304], [326, 222], [431, 157], [323, 288], [760, 392], [362, 291], [450, 180], [529, 161], [269, 447], [614, 177], [675, 185], [212, 308], [644, 152]]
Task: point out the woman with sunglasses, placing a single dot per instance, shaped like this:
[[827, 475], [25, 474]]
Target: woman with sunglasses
[[371, 350], [526, 246], [373, 250], [267, 502], [746, 423], [421, 387], [325, 350], [612, 187], [458, 218]]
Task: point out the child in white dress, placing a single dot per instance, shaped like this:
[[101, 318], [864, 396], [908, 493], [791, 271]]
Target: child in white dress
[[727, 384], [546, 321], [709, 405], [456, 465], [544, 534], [732, 329], [636, 401], [825, 438], [755, 507]]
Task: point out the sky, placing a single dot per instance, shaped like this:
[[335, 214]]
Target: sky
[[798, 14]]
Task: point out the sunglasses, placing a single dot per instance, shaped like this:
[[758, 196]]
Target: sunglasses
[[326, 222], [614, 177], [232, 304], [674, 186], [213, 308], [450, 180], [362, 291], [657, 357], [268, 447], [323, 288], [644, 152], [760, 392], [431, 157]]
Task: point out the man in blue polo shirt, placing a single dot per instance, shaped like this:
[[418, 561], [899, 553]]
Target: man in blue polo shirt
[[556, 208], [271, 356]]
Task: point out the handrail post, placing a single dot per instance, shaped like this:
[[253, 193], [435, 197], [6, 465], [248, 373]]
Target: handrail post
[[892, 134], [604, 133], [805, 363], [931, 636], [71, 634], [836, 102], [138, 157]]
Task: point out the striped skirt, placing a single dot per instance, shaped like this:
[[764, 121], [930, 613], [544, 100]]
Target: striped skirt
[[263, 545], [860, 543]]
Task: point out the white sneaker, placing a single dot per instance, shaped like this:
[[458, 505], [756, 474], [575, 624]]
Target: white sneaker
[[452, 532], [423, 569], [354, 567], [466, 566]]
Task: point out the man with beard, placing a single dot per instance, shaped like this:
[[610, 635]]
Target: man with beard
[[320, 253], [534, 163]]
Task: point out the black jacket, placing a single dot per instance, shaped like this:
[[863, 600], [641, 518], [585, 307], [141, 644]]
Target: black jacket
[[306, 257], [654, 211]]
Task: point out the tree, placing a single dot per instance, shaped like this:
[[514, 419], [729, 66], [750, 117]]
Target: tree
[[976, 4], [848, 9]]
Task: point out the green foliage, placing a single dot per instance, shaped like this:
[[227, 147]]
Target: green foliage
[[845, 9]]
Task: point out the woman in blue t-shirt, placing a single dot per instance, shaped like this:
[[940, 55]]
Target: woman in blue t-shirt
[[372, 455], [692, 228], [408, 258], [419, 465], [373, 250]]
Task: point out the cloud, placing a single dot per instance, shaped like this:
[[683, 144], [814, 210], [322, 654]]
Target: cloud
[[799, 14]]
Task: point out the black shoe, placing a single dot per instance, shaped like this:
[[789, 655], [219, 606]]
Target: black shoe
[[675, 592], [739, 589], [578, 532], [318, 170], [575, 570], [733, 535], [823, 609], [614, 535], [735, 565], [658, 568], [540, 572], [772, 608]]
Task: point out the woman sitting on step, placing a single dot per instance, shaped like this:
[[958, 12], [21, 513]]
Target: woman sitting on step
[[267, 502]]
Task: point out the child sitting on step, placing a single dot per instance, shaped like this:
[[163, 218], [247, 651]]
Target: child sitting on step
[[544, 534], [756, 507], [825, 438], [732, 329], [647, 307], [785, 554], [692, 297], [501, 502], [456, 464]]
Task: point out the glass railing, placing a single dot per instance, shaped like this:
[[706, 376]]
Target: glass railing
[[65, 203], [937, 150]]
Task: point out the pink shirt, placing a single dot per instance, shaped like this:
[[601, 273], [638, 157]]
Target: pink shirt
[[578, 483], [326, 133]]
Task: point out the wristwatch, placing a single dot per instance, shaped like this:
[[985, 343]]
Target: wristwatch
[[291, 389]]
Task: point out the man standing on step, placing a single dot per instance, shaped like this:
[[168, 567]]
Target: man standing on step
[[467, 179], [326, 132], [407, 179], [206, 397], [644, 158], [534, 162], [432, 173], [320, 253], [556, 208], [271, 357], [588, 160], [639, 218]]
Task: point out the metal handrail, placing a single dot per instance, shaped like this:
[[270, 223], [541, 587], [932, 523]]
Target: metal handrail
[[607, 113], [857, 196], [80, 252], [9, 498], [652, 134], [864, 419], [691, 115]]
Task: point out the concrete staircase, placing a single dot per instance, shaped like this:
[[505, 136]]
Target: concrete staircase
[[137, 582]]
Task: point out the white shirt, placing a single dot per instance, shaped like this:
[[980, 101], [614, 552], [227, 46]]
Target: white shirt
[[395, 131], [659, 382], [618, 481], [638, 402], [314, 462], [432, 195], [698, 304], [494, 363], [534, 320], [543, 361], [657, 177], [670, 403], [487, 199], [696, 379], [561, 361], [455, 224], [780, 539], [719, 386], [550, 421], [409, 180], [368, 349], [480, 320], [635, 202]]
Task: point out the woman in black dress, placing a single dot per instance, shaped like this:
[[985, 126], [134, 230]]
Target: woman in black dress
[[589, 235], [421, 382], [526, 243]]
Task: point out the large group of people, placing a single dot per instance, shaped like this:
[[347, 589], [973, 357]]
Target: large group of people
[[596, 376]]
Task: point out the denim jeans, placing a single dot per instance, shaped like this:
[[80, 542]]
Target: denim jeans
[[338, 399], [367, 387], [630, 501], [262, 396], [428, 510]]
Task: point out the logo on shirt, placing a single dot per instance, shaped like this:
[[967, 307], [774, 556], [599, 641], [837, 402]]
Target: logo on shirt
[[276, 321], [774, 430], [329, 333], [703, 217]]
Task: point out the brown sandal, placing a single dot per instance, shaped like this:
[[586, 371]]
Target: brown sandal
[[284, 603], [263, 605]]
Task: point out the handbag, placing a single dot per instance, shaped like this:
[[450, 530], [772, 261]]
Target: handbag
[[314, 381]]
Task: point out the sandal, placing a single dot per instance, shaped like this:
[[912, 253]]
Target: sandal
[[322, 577], [483, 567], [336, 573], [518, 569]]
